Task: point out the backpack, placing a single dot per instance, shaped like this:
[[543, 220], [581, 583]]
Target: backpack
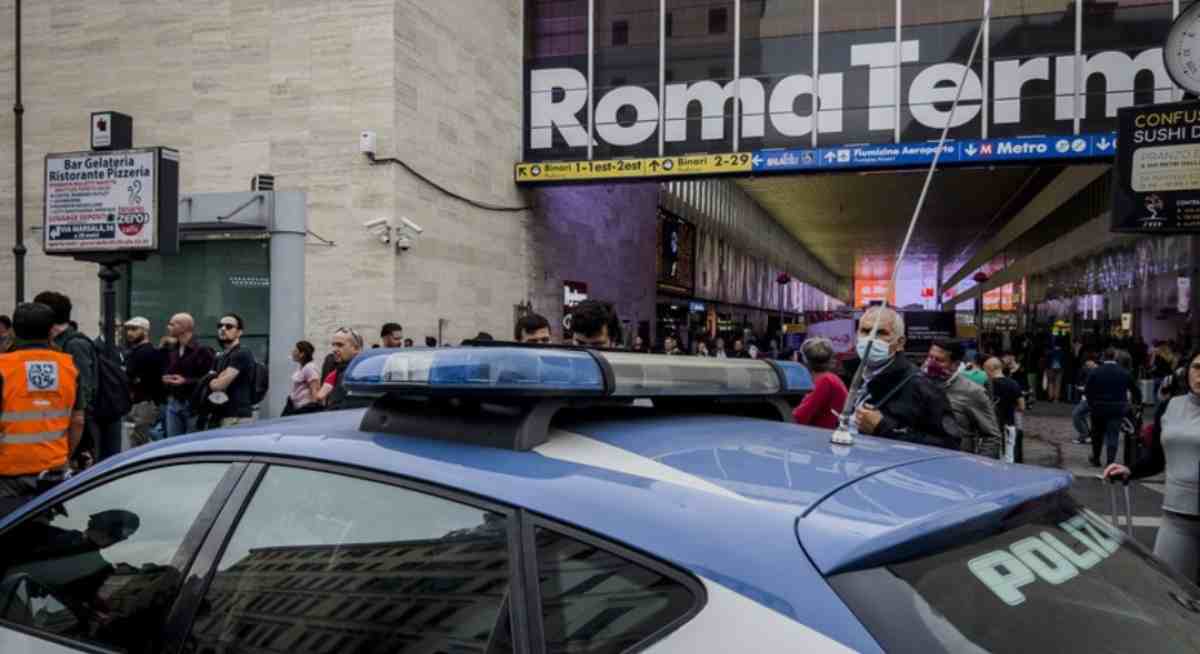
[[259, 375], [262, 382], [110, 398]]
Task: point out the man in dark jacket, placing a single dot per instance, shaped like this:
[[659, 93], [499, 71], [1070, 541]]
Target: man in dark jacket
[[1108, 391], [898, 401]]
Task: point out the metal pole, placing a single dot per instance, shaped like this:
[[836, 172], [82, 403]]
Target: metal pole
[[19, 181], [1194, 301], [591, 82], [737, 73], [662, 73], [109, 276]]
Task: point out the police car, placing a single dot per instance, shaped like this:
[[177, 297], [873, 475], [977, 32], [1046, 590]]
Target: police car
[[543, 500]]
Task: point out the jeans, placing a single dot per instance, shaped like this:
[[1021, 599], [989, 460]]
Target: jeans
[[1079, 418], [1106, 431], [179, 418]]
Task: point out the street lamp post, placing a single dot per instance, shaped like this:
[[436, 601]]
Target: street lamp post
[[18, 154]]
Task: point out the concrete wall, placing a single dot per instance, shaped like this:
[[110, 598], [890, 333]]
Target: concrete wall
[[255, 86], [603, 235]]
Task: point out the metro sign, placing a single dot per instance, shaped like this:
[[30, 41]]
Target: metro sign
[[558, 97]]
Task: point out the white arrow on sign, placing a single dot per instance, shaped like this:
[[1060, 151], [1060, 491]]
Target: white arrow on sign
[[971, 150], [1103, 144], [829, 156], [756, 160]]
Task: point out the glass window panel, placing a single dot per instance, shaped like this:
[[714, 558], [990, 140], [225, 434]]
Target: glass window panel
[[696, 55], [557, 39], [595, 602], [858, 42], [104, 566], [776, 46], [626, 88], [441, 583], [1123, 76], [1026, 40], [207, 279]]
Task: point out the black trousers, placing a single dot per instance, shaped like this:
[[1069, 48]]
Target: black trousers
[[1106, 432]]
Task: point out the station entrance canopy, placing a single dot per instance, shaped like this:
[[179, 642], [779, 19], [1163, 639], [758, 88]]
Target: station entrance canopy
[[738, 97]]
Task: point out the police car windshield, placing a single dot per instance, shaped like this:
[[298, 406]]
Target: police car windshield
[[1052, 578]]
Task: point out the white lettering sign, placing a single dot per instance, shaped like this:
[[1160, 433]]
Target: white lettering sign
[[558, 97]]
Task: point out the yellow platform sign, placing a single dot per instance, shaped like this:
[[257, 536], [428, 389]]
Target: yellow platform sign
[[573, 171]]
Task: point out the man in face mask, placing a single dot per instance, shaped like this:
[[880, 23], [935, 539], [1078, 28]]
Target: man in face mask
[[896, 400], [969, 402]]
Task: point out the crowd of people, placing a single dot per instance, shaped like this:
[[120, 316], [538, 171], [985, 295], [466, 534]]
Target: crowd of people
[[961, 396]]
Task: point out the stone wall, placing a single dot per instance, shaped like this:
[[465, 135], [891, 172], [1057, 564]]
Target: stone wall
[[254, 86], [602, 235]]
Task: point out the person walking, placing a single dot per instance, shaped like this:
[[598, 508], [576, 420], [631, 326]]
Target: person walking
[[1175, 448], [1082, 412], [41, 408], [822, 407], [1009, 401], [1108, 392], [306, 382], [969, 401], [187, 362], [231, 397], [144, 368]]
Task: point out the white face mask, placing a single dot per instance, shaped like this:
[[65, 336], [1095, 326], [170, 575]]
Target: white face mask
[[879, 355]]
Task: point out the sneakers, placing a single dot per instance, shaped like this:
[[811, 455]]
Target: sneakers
[[1083, 441]]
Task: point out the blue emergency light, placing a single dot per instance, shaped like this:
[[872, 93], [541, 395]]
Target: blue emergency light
[[549, 372], [508, 395]]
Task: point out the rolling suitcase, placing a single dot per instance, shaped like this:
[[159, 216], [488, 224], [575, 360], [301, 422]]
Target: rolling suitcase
[[1112, 498]]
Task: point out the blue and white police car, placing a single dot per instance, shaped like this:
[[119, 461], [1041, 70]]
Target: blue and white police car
[[541, 500]]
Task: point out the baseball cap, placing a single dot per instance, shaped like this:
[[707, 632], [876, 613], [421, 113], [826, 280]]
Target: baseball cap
[[139, 322]]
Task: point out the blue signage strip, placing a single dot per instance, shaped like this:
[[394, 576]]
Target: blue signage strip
[[961, 152]]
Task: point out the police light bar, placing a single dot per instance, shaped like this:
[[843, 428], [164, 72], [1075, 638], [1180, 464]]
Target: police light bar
[[550, 372]]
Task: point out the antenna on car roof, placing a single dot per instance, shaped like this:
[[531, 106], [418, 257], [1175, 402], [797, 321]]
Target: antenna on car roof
[[843, 435]]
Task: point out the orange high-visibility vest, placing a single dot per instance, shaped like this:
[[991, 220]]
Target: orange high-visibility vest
[[35, 412]]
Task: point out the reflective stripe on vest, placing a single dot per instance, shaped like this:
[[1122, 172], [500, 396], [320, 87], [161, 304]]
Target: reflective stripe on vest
[[35, 411]]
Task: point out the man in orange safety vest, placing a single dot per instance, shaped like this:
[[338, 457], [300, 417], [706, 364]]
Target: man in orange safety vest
[[41, 421]]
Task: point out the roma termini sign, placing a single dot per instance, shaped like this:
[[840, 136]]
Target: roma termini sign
[[868, 90]]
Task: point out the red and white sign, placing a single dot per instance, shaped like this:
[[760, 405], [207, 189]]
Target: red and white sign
[[100, 202]]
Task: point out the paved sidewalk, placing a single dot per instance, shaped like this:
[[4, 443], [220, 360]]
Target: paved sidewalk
[[1050, 441]]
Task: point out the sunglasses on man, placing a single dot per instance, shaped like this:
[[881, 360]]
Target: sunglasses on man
[[227, 325]]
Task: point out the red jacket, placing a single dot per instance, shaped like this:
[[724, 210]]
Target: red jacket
[[819, 407]]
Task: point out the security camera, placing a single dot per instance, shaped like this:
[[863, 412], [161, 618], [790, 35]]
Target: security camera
[[385, 236], [403, 243], [411, 225], [366, 142], [378, 222]]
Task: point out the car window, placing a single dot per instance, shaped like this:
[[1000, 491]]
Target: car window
[[1052, 576], [596, 602], [105, 566], [326, 563]]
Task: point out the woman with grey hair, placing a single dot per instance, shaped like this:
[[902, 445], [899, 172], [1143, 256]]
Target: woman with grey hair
[[822, 406]]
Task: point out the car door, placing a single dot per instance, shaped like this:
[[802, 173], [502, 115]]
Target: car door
[[99, 569], [325, 559]]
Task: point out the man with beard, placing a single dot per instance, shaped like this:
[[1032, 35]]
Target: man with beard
[[896, 400], [144, 368], [232, 389]]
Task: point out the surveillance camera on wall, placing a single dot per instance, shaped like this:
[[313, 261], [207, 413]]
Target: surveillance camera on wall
[[366, 142], [404, 243], [411, 225], [376, 223]]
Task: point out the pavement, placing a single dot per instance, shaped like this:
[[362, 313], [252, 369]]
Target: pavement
[[1049, 442]]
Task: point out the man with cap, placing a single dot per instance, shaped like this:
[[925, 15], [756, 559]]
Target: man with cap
[[41, 408], [144, 366]]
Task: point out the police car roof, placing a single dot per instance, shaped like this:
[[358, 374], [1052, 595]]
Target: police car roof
[[723, 496]]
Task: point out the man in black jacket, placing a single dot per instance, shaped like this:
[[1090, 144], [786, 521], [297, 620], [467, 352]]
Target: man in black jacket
[[1108, 391], [899, 402]]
